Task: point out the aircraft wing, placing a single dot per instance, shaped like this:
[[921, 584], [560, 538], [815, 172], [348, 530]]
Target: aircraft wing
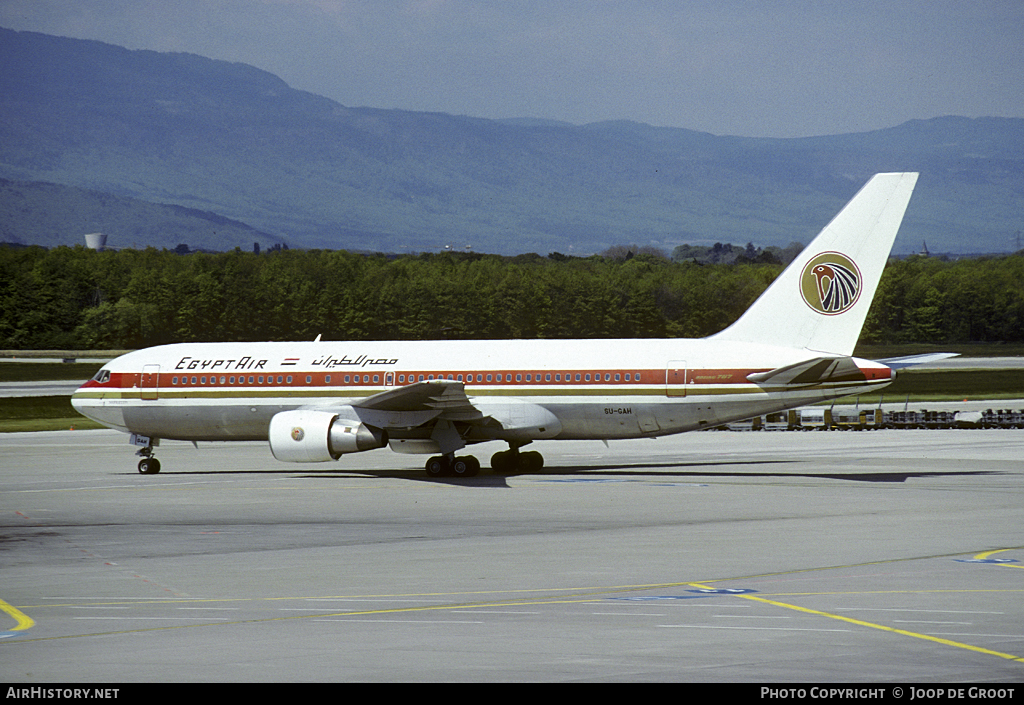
[[418, 404], [819, 370]]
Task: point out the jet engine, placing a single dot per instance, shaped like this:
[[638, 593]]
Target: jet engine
[[314, 436]]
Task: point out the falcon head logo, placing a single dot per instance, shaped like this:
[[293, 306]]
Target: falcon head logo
[[830, 283], [298, 434]]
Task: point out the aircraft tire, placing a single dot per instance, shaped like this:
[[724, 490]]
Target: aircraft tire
[[437, 466], [531, 461], [149, 466], [503, 462], [465, 466]]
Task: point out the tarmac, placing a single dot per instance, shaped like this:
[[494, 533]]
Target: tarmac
[[885, 557]]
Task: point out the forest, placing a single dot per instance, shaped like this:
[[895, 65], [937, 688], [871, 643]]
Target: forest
[[77, 298]]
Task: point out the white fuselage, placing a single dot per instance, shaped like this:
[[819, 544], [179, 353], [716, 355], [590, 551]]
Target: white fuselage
[[596, 389]]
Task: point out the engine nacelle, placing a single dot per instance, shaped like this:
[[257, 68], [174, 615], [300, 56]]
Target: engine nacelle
[[312, 436]]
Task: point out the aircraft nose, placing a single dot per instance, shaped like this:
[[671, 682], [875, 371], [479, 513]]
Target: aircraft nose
[[93, 407], [76, 401]]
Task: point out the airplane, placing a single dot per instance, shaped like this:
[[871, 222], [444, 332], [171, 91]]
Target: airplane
[[316, 401]]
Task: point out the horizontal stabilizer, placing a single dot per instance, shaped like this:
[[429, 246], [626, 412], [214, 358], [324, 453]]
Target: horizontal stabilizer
[[820, 370], [898, 363]]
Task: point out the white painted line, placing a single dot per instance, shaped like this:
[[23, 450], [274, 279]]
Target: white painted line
[[400, 621], [762, 629], [900, 609], [926, 621], [173, 619]]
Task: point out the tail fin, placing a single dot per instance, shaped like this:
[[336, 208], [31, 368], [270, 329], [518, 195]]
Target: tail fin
[[821, 299]]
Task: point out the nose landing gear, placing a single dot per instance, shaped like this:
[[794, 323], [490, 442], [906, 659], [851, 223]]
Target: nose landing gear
[[148, 465]]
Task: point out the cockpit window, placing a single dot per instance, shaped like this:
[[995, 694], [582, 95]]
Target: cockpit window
[[103, 376]]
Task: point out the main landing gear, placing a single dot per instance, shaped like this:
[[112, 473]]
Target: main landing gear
[[505, 462], [445, 465], [511, 461]]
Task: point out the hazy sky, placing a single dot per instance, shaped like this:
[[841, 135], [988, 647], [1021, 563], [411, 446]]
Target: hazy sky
[[778, 68]]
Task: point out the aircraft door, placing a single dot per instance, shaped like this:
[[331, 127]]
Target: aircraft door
[[150, 382], [675, 378], [389, 379]]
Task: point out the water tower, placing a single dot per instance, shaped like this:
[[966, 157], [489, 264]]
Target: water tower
[[95, 241]]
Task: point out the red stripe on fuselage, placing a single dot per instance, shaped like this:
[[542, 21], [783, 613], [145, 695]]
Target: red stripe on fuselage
[[696, 377]]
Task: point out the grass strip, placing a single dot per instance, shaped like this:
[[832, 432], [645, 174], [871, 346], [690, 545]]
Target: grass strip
[[41, 414], [46, 371], [951, 385]]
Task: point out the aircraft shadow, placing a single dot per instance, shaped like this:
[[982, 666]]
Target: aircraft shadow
[[648, 471], [853, 476], [633, 471]]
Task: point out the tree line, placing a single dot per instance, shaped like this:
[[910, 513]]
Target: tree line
[[76, 298]]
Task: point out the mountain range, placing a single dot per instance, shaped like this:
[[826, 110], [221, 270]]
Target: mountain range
[[159, 149]]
